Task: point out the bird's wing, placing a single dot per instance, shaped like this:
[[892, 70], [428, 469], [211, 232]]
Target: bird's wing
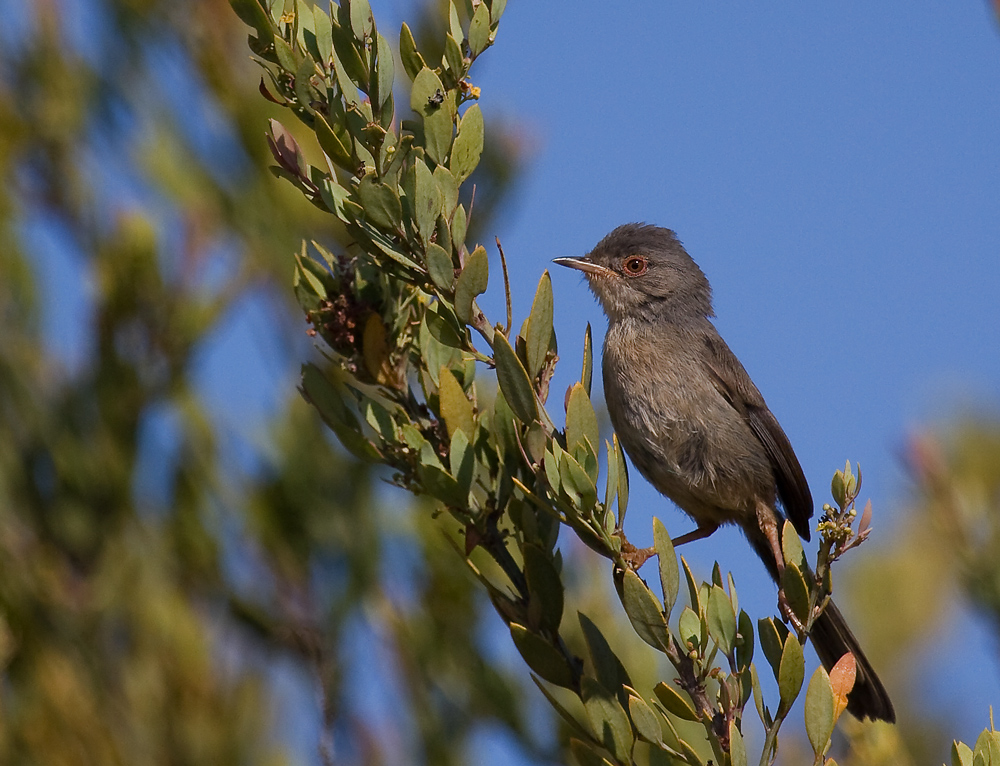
[[736, 387]]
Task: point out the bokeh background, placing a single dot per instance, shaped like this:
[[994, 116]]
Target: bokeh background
[[191, 570]]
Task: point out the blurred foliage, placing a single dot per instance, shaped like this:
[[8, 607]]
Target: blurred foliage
[[156, 561]]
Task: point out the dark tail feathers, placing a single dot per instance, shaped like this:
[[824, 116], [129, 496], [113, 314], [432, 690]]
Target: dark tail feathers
[[832, 639]]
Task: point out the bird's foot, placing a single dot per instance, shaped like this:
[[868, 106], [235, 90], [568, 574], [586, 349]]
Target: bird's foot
[[634, 557]]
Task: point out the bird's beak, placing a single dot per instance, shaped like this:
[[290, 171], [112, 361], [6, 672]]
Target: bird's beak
[[582, 264]]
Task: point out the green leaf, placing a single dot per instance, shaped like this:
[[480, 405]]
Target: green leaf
[[413, 62], [351, 70], [513, 379], [438, 483], [322, 394], [440, 267], [581, 422], [733, 596], [607, 719], [721, 620], [622, 481], [644, 719], [331, 144], [694, 594], [791, 671], [386, 73], [981, 752], [796, 592], [570, 719], [667, 561], [435, 105], [468, 143], [504, 428], [961, 754], [361, 18], [449, 190], [382, 206], [608, 669], [820, 711], [453, 57], [387, 245], [472, 282], [672, 700], [545, 586], [441, 325], [543, 658], [689, 627], [456, 409], [552, 471], [459, 223], [288, 59], [462, 461], [538, 329], [791, 547], [479, 30], [737, 748], [251, 14], [427, 202], [772, 640], [643, 609], [611, 486], [758, 697], [587, 754], [838, 489], [587, 375], [324, 36], [744, 647], [576, 482], [454, 22]]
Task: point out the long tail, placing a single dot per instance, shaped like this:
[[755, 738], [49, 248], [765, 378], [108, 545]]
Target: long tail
[[832, 639]]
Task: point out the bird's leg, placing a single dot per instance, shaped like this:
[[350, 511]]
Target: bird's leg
[[635, 557], [704, 530], [768, 524]]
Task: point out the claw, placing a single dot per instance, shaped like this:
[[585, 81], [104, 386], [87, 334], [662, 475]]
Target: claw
[[634, 557]]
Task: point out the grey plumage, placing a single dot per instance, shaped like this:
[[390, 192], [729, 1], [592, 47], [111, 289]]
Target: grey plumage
[[693, 422]]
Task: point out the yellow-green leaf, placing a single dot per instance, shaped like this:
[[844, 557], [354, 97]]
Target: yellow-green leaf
[[456, 409], [440, 266], [543, 658], [667, 560], [472, 282], [413, 62], [791, 671], [468, 147], [672, 700], [820, 711]]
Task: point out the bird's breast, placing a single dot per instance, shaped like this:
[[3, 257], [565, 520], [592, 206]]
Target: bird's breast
[[679, 431]]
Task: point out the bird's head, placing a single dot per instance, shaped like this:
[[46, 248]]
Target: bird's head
[[643, 271]]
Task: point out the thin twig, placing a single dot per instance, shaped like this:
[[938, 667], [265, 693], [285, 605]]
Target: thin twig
[[506, 288], [472, 203]]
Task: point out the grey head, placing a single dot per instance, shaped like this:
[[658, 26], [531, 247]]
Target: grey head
[[642, 271]]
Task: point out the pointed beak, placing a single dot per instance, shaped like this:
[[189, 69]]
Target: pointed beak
[[582, 264]]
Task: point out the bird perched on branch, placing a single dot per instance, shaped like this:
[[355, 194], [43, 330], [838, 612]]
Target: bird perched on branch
[[695, 425]]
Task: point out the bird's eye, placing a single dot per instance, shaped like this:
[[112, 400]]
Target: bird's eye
[[635, 265]]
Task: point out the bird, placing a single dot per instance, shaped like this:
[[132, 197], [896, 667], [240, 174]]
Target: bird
[[694, 424]]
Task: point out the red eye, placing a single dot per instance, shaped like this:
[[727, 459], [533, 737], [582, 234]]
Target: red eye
[[635, 265]]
